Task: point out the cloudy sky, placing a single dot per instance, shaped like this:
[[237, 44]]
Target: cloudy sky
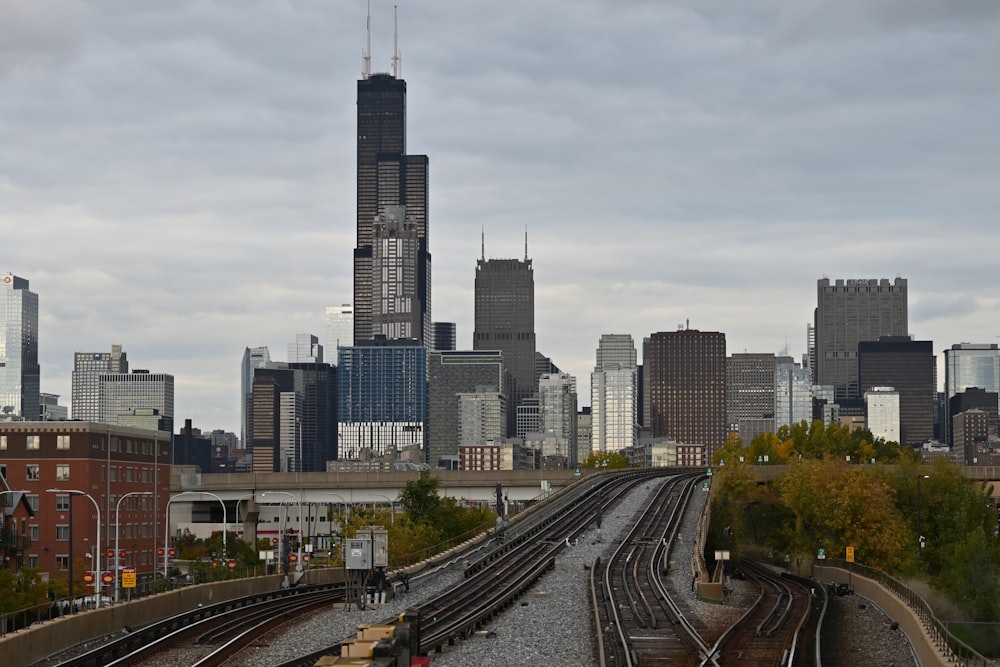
[[179, 176]]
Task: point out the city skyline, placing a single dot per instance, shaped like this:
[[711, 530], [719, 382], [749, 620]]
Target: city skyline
[[181, 180]]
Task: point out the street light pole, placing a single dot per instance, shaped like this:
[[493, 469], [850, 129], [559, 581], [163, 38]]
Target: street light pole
[[97, 561], [920, 537], [166, 527], [118, 567]]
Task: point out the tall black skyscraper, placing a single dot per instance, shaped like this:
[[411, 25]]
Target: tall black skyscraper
[[387, 177], [505, 321]]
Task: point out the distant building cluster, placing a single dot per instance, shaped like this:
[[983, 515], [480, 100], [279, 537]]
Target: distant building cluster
[[387, 387]]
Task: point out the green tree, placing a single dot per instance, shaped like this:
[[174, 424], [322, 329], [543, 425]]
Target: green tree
[[419, 498], [605, 460]]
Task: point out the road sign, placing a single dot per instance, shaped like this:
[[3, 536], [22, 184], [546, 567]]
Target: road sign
[[128, 577], [88, 578], [108, 578], [850, 554]]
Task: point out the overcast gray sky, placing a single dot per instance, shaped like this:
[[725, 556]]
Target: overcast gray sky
[[179, 176]]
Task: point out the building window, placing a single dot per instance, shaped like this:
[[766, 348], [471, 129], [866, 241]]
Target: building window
[[31, 442], [62, 442], [32, 502], [33, 560], [31, 472], [62, 472], [3, 442], [62, 503], [62, 563], [62, 533], [33, 533]]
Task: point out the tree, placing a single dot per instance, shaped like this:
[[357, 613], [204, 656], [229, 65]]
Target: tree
[[420, 499], [603, 460]]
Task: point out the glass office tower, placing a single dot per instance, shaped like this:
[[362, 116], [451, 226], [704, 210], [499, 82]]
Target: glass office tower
[[19, 370]]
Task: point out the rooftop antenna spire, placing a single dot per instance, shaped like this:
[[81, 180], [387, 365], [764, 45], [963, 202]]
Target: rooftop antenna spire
[[397, 70], [482, 231], [366, 56], [526, 243]]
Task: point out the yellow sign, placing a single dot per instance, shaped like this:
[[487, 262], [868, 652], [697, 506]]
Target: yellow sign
[[128, 577], [850, 554]]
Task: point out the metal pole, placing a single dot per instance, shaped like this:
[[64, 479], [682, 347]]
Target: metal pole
[[118, 565]]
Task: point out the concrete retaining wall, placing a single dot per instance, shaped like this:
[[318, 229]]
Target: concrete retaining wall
[[927, 650], [41, 640]]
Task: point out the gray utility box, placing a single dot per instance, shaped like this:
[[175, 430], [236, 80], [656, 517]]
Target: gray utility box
[[379, 537], [358, 554]]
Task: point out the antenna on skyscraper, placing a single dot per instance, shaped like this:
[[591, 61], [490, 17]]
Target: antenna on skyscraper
[[526, 243], [396, 64], [366, 57], [482, 231]]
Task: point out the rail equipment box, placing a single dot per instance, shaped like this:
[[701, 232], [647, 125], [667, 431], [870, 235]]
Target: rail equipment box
[[358, 554]]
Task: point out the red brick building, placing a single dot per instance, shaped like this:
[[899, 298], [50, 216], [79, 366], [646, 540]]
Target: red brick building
[[86, 463]]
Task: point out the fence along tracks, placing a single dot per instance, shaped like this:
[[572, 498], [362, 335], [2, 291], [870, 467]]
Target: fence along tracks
[[640, 625]]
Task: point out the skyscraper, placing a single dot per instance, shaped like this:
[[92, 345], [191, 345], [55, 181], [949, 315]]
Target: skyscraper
[[687, 387], [386, 177], [339, 329], [614, 394], [750, 394], [505, 321], [87, 370], [382, 398], [124, 393], [557, 408], [444, 336], [19, 371], [397, 301], [450, 373], [305, 350], [848, 312], [908, 366], [253, 358], [968, 365]]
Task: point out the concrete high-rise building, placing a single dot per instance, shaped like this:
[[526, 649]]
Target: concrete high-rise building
[[557, 408], [121, 394], [339, 329], [528, 418], [750, 394], [305, 350], [909, 366], [253, 358], [20, 375], [614, 394], [848, 312], [687, 387], [451, 373], [882, 405], [505, 321], [482, 417], [386, 177], [584, 433], [87, 370], [443, 336], [382, 398]]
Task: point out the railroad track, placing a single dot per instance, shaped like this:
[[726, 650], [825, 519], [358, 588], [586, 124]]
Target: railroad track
[[638, 622], [496, 580], [208, 634], [768, 633]]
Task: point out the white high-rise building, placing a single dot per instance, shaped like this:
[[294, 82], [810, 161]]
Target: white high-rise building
[[19, 371], [339, 329], [87, 370], [482, 416], [613, 394], [882, 408]]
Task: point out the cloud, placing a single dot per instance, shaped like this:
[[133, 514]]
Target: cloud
[[41, 33]]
